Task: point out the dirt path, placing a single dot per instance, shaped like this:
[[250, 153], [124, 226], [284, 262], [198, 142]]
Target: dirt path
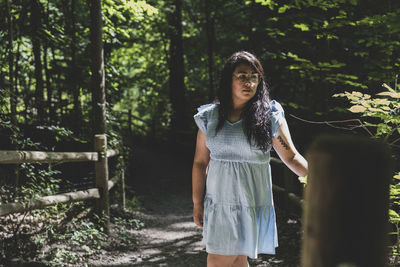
[[170, 238]]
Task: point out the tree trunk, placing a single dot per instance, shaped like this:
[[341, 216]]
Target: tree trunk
[[36, 46], [48, 75], [56, 111], [176, 69], [252, 18], [13, 105], [210, 48], [98, 79], [73, 73], [17, 81], [48, 83], [53, 92]]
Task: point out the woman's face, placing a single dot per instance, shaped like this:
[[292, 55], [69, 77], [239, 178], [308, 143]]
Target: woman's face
[[244, 84]]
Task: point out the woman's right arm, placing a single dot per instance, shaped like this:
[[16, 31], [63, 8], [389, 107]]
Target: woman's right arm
[[200, 163]]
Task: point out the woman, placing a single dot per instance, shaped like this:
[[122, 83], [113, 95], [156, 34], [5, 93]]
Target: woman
[[232, 189]]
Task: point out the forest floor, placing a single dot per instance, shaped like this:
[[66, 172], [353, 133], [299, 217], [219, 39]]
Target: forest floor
[[169, 236]]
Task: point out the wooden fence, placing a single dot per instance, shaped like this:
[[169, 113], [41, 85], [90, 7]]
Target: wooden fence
[[102, 182]]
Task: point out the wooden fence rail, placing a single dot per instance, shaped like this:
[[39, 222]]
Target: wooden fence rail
[[100, 193], [16, 157]]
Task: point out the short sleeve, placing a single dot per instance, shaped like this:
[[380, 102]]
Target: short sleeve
[[278, 116], [202, 116]]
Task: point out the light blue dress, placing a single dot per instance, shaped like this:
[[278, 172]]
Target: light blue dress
[[239, 215]]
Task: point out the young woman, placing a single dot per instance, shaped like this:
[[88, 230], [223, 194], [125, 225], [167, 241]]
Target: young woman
[[232, 189]]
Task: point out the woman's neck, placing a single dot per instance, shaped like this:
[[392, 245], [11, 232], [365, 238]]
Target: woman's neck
[[238, 107], [236, 112]]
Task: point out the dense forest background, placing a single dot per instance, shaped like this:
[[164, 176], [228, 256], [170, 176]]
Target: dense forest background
[[162, 60]]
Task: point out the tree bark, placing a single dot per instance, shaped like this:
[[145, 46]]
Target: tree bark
[[210, 48], [17, 81], [48, 75], [13, 96], [98, 78], [73, 73], [11, 63], [55, 79], [36, 47], [176, 69], [49, 89]]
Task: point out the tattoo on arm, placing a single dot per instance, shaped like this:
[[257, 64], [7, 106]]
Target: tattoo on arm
[[283, 142]]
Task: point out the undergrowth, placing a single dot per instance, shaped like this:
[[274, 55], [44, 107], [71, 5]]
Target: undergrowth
[[65, 234]]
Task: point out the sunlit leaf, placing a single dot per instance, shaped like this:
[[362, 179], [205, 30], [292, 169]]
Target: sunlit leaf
[[375, 109], [357, 94], [303, 180], [388, 87], [357, 109], [303, 27], [382, 101], [393, 213], [391, 94], [365, 104]]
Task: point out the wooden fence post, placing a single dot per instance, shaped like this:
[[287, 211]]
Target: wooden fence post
[[101, 170], [345, 219]]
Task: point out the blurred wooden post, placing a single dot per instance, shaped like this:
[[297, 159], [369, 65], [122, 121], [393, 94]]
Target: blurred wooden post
[[345, 220], [101, 169]]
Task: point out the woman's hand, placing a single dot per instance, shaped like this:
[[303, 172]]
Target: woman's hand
[[198, 214], [200, 163]]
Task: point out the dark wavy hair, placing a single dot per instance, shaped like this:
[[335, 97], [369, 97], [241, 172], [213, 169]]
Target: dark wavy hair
[[257, 113]]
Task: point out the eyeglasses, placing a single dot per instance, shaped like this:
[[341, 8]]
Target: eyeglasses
[[244, 78]]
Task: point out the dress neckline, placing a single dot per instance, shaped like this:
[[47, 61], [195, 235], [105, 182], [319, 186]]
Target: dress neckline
[[233, 123]]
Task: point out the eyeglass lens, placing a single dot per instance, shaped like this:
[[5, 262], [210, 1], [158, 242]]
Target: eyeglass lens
[[251, 78]]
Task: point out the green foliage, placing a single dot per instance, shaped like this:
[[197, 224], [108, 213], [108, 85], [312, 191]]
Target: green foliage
[[384, 109], [394, 216], [269, 3], [54, 236], [85, 237], [71, 243], [132, 223], [306, 47], [40, 182]]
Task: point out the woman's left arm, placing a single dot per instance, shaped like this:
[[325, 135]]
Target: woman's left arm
[[283, 145]]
